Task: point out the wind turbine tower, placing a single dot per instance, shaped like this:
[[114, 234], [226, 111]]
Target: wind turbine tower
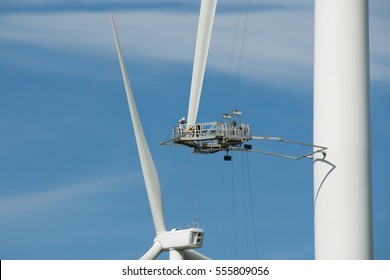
[[342, 180]]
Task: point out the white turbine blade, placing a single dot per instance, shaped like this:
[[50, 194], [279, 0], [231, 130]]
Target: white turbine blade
[[176, 255], [148, 168], [206, 20], [153, 252], [194, 255]]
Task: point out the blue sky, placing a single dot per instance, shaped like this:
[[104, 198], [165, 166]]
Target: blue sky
[[71, 186]]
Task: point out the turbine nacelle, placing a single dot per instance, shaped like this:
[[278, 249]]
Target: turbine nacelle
[[180, 239]]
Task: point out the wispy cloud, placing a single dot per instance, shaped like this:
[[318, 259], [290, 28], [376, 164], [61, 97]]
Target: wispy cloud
[[223, 5], [268, 52], [278, 45], [379, 50], [27, 202], [95, 5]]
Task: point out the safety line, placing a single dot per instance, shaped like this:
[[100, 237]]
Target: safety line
[[251, 206]]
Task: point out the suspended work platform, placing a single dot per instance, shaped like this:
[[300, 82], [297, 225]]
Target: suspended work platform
[[229, 135], [208, 138]]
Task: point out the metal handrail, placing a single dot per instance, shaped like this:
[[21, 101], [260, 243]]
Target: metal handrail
[[211, 129]]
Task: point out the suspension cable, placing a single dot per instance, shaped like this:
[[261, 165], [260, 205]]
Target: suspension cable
[[189, 184], [241, 54], [234, 213], [245, 205], [223, 213], [251, 206]]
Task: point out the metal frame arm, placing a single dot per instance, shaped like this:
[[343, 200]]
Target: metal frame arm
[[319, 149]]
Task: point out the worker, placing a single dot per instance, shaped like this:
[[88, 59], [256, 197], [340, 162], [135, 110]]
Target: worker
[[182, 123]]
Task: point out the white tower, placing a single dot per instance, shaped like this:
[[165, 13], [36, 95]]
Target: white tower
[[342, 181]]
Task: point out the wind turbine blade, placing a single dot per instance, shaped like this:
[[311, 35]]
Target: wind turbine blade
[[176, 255], [206, 20], [148, 168], [194, 255], [153, 252]]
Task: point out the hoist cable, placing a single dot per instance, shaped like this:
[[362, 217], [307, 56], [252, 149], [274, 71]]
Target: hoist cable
[[251, 206], [189, 184], [245, 204], [223, 213], [234, 213], [241, 54]]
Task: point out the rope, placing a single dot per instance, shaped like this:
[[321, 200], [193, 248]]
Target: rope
[[234, 213], [223, 213], [241, 54], [251, 206], [189, 184], [236, 86], [245, 208], [234, 41]]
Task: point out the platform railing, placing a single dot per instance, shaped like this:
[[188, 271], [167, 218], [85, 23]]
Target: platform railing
[[210, 129]]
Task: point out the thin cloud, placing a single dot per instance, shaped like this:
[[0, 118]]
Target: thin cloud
[[379, 50], [189, 5], [90, 34], [13, 206], [278, 45]]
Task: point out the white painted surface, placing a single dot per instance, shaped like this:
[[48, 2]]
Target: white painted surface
[[342, 182]]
